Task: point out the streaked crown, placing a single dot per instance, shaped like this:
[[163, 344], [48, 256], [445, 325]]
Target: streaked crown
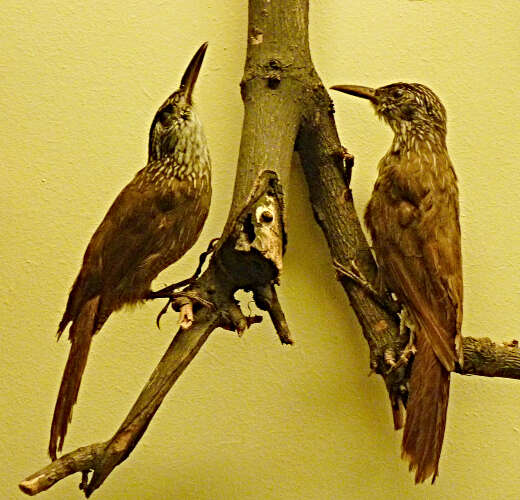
[[175, 122], [410, 102], [407, 107]]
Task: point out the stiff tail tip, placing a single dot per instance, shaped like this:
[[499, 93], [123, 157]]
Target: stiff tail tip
[[426, 415], [81, 333], [422, 471]]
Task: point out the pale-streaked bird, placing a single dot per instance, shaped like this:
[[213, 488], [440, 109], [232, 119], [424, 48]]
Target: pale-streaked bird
[[413, 218], [152, 223]]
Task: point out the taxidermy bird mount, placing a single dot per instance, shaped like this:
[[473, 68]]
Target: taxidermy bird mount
[[413, 218], [152, 223]]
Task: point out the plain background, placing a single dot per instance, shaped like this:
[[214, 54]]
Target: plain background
[[249, 419]]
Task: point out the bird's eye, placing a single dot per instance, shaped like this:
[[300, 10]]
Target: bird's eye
[[165, 113], [397, 93]]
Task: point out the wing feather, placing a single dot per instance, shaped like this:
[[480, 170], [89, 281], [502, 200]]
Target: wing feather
[[146, 229], [413, 219]]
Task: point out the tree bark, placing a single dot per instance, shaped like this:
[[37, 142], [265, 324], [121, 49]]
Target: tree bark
[[286, 108]]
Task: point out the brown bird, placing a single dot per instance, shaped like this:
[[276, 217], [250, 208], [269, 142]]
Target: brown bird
[[413, 218], [153, 222]]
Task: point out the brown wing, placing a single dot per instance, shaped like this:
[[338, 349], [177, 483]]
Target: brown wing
[[413, 218], [145, 230]]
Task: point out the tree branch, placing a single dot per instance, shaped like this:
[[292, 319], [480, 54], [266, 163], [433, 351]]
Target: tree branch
[[327, 168], [286, 106], [249, 253], [486, 358]]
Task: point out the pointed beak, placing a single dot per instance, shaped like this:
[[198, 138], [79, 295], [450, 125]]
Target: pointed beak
[[192, 72], [358, 91]]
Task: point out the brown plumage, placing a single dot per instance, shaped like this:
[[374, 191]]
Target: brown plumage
[[413, 218], [155, 219]]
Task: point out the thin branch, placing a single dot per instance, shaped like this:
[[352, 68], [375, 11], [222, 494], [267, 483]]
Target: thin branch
[[327, 167], [182, 350], [103, 457], [167, 291], [488, 359], [79, 460], [266, 299]]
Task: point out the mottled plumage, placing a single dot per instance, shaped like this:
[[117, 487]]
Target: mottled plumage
[[413, 218], [155, 219]]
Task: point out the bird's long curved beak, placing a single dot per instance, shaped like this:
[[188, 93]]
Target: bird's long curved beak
[[192, 72], [358, 91]]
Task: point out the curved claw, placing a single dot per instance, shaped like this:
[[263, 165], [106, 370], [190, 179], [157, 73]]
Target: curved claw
[[162, 312]]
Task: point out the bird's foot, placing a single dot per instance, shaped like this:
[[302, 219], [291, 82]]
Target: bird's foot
[[409, 350], [354, 274], [403, 360], [183, 301]]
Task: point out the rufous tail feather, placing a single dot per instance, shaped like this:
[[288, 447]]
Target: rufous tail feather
[[426, 412], [81, 333]]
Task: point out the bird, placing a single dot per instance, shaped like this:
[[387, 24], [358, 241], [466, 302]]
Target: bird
[[413, 219], [151, 224]]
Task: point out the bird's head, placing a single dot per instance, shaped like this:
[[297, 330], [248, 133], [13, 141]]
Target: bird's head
[[176, 116], [404, 106]]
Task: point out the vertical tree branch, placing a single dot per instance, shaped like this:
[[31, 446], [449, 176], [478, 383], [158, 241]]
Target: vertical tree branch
[[249, 252]]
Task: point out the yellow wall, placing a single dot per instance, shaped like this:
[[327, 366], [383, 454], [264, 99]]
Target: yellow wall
[[249, 419]]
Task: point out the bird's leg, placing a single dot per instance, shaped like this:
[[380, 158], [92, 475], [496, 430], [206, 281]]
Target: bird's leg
[[184, 303], [166, 292], [354, 273], [409, 350], [162, 312]]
